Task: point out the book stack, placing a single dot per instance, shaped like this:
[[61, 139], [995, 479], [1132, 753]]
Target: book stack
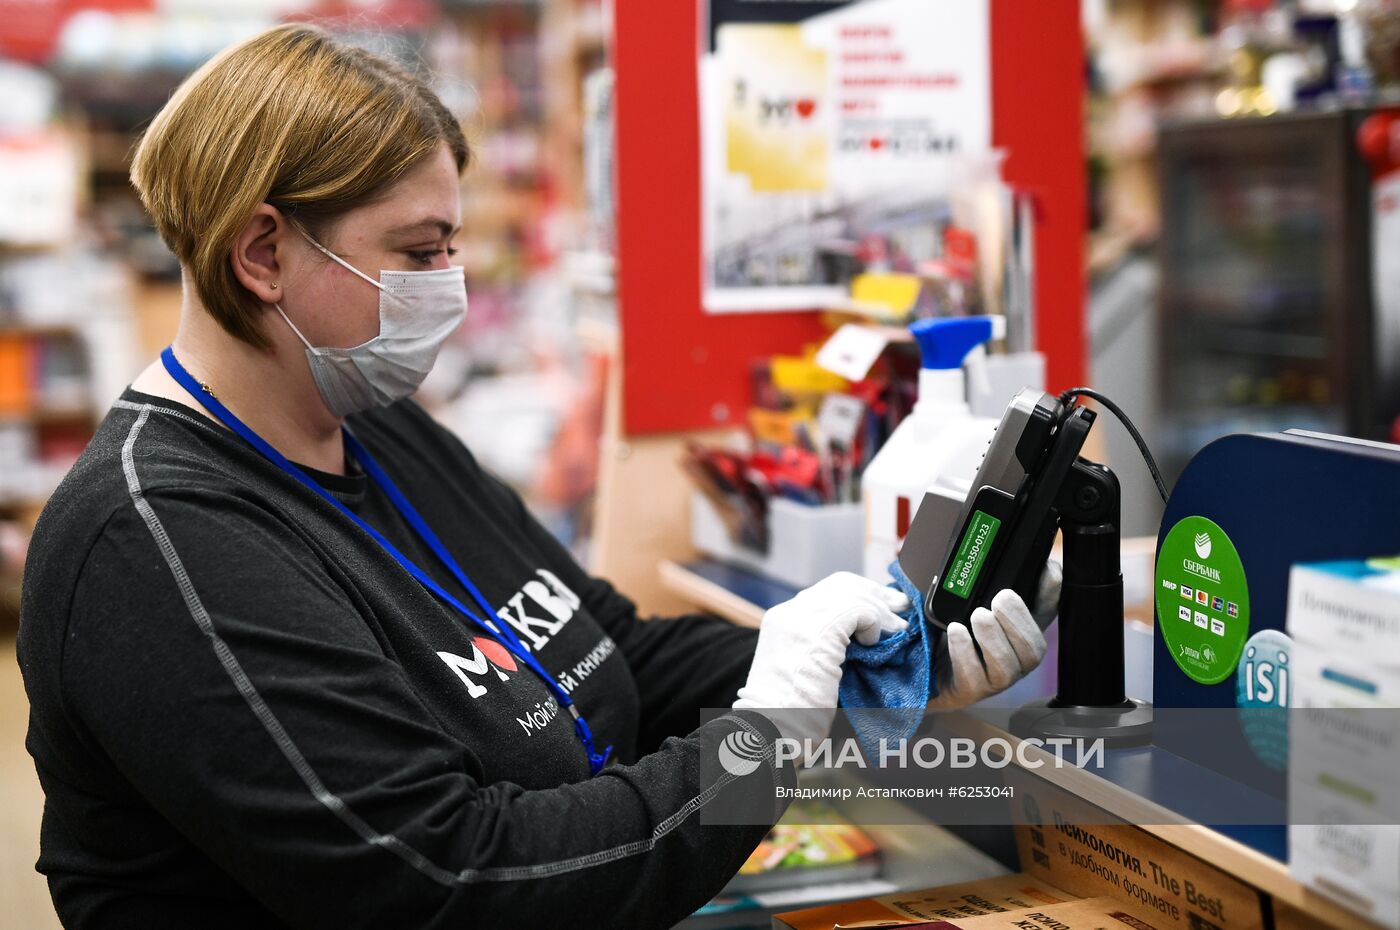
[[46, 412], [1012, 902], [1006, 894]]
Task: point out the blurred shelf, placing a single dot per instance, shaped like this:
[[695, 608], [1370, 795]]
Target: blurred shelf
[[592, 272], [54, 416], [489, 6], [40, 330], [1248, 340]]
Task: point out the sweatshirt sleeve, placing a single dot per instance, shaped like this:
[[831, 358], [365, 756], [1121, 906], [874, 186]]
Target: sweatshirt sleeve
[[681, 664], [234, 686]]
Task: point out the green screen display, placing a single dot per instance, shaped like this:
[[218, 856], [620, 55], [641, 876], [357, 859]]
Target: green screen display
[[972, 552]]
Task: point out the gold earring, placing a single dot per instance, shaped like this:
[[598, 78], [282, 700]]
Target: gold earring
[[274, 287]]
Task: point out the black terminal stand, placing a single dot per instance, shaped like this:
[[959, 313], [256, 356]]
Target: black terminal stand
[[1090, 702]]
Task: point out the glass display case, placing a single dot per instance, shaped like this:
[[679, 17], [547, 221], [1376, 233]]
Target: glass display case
[[1266, 316]]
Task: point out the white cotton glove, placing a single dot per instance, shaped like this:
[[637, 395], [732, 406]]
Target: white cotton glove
[[1010, 637], [802, 643]]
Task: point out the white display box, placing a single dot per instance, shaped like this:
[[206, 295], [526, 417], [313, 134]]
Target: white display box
[[1344, 765], [1344, 726], [1354, 864], [806, 543], [1347, 607]]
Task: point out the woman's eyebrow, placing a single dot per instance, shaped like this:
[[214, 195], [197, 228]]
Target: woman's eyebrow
[[440, 226]]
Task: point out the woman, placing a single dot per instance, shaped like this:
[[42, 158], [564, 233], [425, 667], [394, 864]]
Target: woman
[[287, 675]]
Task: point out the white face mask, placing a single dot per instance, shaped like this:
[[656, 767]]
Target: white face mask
[[418, 310]]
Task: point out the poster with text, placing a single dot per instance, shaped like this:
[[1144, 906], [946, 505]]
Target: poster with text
[[826, 123]]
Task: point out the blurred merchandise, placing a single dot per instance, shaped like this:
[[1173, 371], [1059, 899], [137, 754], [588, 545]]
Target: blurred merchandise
[[786, 501], [1380, 28], [598, 159], [81, 262], [812, 855], [1253, 32], [14, 544], [67, 332], [812, 844], [1160, 62], [1150, 60]]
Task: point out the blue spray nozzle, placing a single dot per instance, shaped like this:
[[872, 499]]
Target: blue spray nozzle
[[944, 343]]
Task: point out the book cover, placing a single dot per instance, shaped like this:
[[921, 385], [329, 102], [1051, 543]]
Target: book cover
[[826, 848]]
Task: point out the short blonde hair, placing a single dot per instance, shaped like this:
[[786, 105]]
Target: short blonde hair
[[291, 117]]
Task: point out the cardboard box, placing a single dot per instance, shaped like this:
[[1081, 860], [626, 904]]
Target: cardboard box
[[967, 899], [1089, 914], [1074, 849]]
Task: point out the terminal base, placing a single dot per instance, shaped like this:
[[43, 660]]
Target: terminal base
[[1125, 724]]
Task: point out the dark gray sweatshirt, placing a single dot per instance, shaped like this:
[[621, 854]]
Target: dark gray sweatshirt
[[246, 714]]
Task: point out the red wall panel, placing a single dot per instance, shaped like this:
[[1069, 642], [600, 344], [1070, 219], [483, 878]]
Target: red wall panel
[[685, 369]]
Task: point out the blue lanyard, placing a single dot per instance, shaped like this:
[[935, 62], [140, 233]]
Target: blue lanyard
[[501, 633]]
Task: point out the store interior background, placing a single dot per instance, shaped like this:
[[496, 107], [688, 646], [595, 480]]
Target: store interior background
[[526, 382]]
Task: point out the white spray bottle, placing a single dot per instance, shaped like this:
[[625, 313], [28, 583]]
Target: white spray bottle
[[940, 439]]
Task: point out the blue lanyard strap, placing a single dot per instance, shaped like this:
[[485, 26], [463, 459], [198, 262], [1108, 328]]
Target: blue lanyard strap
[[501, 631]]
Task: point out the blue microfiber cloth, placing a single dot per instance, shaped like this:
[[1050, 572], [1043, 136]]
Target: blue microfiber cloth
[[894, 675]]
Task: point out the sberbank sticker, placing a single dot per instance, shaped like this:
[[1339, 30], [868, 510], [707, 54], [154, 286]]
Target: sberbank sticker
[[972, 552], [1202, 599]]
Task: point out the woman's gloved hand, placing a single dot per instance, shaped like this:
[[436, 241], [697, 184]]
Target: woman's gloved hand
[[802, 643], [1011, 640]]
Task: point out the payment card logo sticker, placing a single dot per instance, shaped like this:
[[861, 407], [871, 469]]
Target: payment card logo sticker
[[1184, 613], [741, 752], [1207, 650], [1188, 593]]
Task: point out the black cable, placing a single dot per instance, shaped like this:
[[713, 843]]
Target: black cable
[[1117, 411]]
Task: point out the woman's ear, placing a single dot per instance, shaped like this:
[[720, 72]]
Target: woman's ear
[[256, 252]]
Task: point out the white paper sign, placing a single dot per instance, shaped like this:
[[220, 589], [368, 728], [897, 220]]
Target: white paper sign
[[819, 132], [38, 190], [840, 417], [852, 350]]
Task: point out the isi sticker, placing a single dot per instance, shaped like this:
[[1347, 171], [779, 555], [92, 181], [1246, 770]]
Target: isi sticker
[[1202, 600], [1261, 691]]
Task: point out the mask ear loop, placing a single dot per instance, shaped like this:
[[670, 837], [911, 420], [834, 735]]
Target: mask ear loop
[[308, 345], [336, 258]]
